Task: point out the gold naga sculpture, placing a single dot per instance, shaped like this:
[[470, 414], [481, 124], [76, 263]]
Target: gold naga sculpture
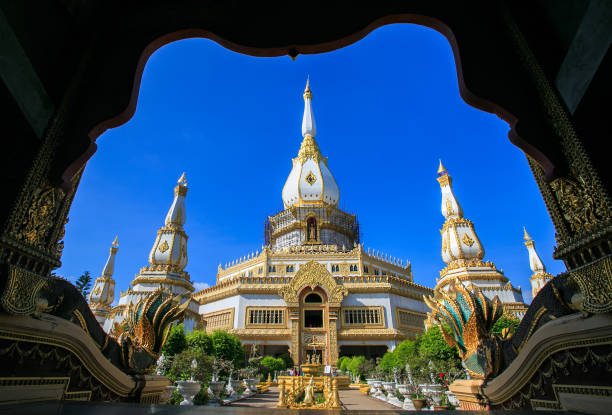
[[143, 333], [469, 317]]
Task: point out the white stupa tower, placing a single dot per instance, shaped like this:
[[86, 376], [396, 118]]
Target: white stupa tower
[[463, 254], [102, 293], [540, 277], [167, 262], [310, 181]]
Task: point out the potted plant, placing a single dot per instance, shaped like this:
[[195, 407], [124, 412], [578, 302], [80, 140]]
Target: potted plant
[[189, 388], [418, 399], [216, 385]]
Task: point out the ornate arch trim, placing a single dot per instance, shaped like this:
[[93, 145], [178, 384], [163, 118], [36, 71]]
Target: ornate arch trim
[[312, 275]]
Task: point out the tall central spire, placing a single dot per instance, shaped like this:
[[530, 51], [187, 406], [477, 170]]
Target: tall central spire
[[310, 181], [309, 127]]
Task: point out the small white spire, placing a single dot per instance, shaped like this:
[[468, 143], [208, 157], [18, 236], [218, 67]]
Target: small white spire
[[535, 262], [109, 266], [309, 126], [176, 215], [450, 205]]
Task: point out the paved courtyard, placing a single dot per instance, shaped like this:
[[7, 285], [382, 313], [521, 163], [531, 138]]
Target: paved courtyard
[[351, 399]]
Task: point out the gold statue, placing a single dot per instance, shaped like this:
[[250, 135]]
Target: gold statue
[[309, 392]]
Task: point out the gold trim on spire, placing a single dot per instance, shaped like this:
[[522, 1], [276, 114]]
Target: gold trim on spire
[[307, 92], [116, 241], [526, 235], [441, 168], [182, 180]]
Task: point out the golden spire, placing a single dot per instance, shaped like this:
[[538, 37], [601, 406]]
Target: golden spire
[[441, 168], [526, 235], [116, 241], [182, 180], [307, 92]]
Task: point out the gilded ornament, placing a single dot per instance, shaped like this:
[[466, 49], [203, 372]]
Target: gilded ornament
[[40, 217], [310, 178], [164, 246], [467, 240], [595, 284]]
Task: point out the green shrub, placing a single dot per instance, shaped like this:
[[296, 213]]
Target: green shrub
[[181, 366], [198, 339], [176, 398], [271, 364], [228, 347], [287, 359], [176, 341], [343, 362], [354, 365], [201, 397]]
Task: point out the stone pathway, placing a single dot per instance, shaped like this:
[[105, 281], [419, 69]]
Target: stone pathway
[[352, 399], [261, 400]]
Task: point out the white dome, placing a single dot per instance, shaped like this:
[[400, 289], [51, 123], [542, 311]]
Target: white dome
[[310, 181]]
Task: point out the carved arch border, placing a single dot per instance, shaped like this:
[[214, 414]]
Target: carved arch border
[[113, 117], [312, 275]]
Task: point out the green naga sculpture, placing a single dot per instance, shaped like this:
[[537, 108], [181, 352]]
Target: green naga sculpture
[[143, 333], [469, 316]]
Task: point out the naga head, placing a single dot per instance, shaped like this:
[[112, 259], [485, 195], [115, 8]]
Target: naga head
[[470, 317], [147, 325]]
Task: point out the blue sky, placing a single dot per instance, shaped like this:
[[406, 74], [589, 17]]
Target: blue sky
[[387, 108]]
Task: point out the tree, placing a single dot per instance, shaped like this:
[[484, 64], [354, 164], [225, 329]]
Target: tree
[[388, 362], [83, 284], [343, 363], [176, 341], [354, 365], [405, 351], [272, 364], [433, 347], [199, 339], [228, 347], [287, 359], [505, 322]]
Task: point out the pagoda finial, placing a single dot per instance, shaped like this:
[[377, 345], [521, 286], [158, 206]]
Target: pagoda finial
[[526, 235], [116, 241], [307, 92], [182, 180], [441, 168], [309, 127]]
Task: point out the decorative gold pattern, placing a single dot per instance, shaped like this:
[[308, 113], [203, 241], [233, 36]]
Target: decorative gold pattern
[[595, 282], [164, 247], [21, 294], [312, 275], [467, 240], [310, 178], [219, 320], [579, 203]]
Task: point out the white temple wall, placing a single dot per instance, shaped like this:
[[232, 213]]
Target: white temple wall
[[240, 303]]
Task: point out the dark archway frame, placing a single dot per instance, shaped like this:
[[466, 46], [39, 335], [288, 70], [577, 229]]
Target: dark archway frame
[[506, 108]]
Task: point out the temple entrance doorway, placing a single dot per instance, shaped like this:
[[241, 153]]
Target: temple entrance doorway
[[314, 327]]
